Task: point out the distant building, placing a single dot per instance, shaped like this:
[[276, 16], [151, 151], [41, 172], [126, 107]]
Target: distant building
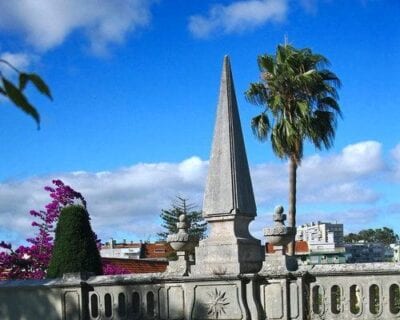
[[301, 248], [324, 241], [135, 250], [321, 235], [396, 251], [370, 252]]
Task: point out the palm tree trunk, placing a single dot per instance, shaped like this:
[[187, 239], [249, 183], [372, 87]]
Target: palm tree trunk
[[292, 201]]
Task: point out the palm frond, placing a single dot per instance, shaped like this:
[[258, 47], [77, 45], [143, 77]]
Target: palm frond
[[257, 94], [261, 126], [301, 95], [266, 63]]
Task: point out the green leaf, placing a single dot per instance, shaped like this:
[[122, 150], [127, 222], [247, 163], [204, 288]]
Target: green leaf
[[303, 108], [2, 91], [23, 80], [40, 84], [18, 98], [266, 63]]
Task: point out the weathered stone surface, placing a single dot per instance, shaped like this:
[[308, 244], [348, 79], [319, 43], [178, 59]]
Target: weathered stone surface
[[217, 302], [229, 204], [228, 188], [229, 249]]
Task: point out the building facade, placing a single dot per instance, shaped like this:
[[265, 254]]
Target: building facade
[[325, 243], [135, 250]]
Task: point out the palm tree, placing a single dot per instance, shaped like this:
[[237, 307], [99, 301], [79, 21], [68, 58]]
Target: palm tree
[[299, 96]]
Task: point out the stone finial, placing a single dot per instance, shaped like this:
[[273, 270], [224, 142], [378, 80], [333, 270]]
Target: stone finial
[[228, 188], [179, 241], [279, 234], [182, 243]]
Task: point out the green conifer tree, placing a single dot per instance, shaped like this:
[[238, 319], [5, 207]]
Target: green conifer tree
[[75, 248], [170, 216]]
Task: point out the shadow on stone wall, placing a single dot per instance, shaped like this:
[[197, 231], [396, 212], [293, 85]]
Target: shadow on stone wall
[[30, 303]]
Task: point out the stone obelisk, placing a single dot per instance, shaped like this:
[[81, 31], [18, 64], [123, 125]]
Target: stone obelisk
[[229, 204]]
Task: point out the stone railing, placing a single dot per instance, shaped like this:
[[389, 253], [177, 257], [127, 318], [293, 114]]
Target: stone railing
[[348, 291], [355, 291], [150, 296]]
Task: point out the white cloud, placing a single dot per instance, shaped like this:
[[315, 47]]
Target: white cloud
[[396, 157], [354, 219], [45, 24], [127, 202], [346, 192], [238, 16], [336, 178], [357, 160]]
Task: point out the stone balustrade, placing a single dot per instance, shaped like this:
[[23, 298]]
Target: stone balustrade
[[355, 291], [348, 291]]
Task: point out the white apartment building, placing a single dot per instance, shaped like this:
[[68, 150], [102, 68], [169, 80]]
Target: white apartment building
[[321, 236]]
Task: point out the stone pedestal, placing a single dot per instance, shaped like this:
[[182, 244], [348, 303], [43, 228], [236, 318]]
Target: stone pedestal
[[229, 249], [180, 267], [278, 263]]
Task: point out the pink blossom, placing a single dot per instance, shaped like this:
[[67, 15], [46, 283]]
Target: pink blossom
[[31, 262], [111, 269]]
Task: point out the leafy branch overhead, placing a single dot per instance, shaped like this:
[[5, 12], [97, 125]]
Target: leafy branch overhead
[[15, 92]]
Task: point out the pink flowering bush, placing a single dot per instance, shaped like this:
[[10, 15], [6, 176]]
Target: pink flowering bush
[[110, 269], [31, 262]]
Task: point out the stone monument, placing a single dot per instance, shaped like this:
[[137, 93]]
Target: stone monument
[[229, 204]]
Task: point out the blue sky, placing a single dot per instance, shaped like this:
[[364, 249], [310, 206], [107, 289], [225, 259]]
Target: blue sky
[[135, 87]]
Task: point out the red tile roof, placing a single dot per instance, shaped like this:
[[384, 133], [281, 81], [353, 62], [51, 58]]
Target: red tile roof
[[156, 250], [138, 265], [301, 247]]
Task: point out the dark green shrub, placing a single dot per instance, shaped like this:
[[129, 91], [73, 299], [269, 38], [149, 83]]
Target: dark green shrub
[[75, 248]]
